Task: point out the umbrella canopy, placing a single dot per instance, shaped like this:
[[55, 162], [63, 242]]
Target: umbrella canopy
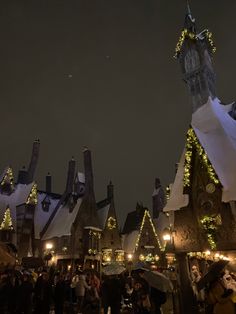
[[113, 269], [158, 280], [213, 273], [5, 257]]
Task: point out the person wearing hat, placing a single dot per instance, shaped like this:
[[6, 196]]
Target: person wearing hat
[[220, 297]]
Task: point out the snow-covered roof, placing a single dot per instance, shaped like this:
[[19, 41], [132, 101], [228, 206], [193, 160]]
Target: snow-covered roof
[[216, 132], [41, 216], [17, 197], [129, 241], [62, 222], [102, 215], [177, 199]]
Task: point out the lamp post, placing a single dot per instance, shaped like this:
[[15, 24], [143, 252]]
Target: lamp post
[[130, 258], [167, 235], [48, 252]]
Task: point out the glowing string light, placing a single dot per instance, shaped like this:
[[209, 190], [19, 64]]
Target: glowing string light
[[7, 221], [8, 177], [147, 215], [192, 142], [33, 196], [192, 36]]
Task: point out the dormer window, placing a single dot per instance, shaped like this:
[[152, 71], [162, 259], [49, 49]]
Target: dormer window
[[46, 204]]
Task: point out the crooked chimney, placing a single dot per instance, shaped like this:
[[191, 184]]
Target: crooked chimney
[[88, 169], [70, 176], [33, 161], [48, 183], [110, 191]]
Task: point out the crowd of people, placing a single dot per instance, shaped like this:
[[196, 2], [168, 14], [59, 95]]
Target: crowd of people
[[218, 295], [51, 291]]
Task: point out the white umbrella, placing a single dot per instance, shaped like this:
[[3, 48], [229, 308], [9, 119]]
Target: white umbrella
[[113, 269], [158, 280]]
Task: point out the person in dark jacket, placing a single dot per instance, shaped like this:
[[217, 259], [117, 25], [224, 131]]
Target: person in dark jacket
[[25, 295], [59, 294], [140, 299], [157, 299], [111, 291], [43, 294]]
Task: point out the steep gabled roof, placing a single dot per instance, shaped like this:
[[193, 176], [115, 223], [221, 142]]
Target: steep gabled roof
[[103, 214], [41, 216], [133, 221], [17, 197], [215, 130], [62, 221]]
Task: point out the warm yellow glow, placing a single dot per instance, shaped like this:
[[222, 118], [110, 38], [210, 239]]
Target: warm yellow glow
[[141, 257], [49, 246], [8, 177], [69, 267], [156, 257], [130, 256], [147, 215], [192, 143], [33, 196], [166, 237], [194, 37], [7, 221], [208, 252]]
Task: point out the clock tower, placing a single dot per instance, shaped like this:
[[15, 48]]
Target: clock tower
[[194, 51]]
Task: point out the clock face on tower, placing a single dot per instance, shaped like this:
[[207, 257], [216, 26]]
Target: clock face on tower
[[111, 223], [191, 61]]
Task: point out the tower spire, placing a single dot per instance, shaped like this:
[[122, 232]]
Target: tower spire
[[189, 19], [188, 8], [194, 51]]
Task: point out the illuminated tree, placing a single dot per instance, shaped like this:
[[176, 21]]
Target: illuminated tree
[[7, 221]]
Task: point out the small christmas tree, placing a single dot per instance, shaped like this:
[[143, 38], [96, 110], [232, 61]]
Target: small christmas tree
[[7, 221]]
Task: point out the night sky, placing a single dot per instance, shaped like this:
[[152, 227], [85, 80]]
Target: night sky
[[101, 73]]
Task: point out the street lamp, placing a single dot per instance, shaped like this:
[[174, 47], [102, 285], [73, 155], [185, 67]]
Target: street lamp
[[130, 257], [129, 264], [166, 235], [49, 246], [48, 252]]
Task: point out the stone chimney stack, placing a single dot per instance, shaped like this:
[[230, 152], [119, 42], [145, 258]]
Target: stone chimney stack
[[33, 161], [22, 176], [70, 175], [48, 183], [157, 183], [110, 191], [88, 169], [158, 199]]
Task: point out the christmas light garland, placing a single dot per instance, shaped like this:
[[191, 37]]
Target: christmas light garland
[[193, 142], [187, 34], [7, 221], [111, 223], [167, 192], [210, 225], [33, 196], [8, 177], [210, 41], [146, 214]]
